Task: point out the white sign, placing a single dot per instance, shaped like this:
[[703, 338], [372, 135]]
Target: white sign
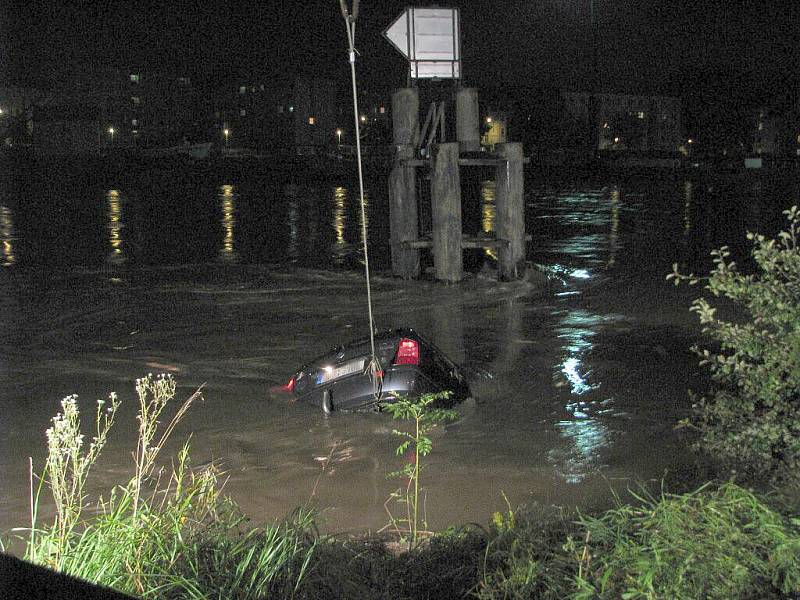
[[429, 38]]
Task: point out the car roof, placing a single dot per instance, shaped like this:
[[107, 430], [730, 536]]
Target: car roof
[[387, 334]]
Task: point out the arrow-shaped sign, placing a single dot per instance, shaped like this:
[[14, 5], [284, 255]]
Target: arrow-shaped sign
[[429, 38]]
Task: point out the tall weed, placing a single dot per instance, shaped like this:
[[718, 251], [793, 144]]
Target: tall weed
[[164, 533]]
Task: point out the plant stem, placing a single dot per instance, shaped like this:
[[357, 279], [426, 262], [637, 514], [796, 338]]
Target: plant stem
[[416, 478]]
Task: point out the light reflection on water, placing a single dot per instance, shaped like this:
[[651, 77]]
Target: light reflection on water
[[345, 221], [563, 402], [589, 435], [613, 236], [339, 216], [293, 225], [590, 220], [115, 226], [7, 235], [489, 211], [227, 200]]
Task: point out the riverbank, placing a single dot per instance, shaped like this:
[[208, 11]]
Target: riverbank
[[171, 532]]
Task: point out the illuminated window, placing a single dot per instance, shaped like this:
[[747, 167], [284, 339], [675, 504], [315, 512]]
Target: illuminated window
[[183, 81], [134, 78], [243, 89], [312, 120], [291, 109], [383, 110], [261, 87], [135, 122], [761, 126], [136, 100], [242, 112]]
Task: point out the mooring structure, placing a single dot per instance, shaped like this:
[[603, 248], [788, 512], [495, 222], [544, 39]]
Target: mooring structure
[[429, 39]]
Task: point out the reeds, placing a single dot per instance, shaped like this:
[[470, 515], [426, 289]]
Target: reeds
[[167, 532]]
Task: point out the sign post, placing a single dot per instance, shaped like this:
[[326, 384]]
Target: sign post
[[429, 38]]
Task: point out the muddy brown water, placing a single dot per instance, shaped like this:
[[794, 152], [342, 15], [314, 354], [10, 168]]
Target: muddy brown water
[[579, 373]]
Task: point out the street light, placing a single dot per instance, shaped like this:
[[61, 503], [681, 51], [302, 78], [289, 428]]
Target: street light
[[226, 132], [111, 132], [339, 136]]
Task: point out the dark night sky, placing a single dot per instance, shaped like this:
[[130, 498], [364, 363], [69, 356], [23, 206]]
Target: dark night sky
[[644, 44]]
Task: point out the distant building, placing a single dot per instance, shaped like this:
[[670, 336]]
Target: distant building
[[16, 113], [136, 108], [132, 107], [769, 133], [301, 117], [315, 114], [636, 123], [148, 108]]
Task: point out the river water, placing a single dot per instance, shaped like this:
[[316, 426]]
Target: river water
[[232, 279]]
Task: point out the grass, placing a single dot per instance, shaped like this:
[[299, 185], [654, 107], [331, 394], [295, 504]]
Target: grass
[[166, 532], [712, 543], [169, 532], [716, 542]]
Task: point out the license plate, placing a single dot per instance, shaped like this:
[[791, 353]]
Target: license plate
[[330, 374]]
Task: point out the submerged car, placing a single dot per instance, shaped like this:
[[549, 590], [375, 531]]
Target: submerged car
[[342, 379]]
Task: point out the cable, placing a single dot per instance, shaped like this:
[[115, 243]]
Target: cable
[[376, 372]]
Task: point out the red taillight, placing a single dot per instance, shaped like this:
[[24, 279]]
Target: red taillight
[[290, 386], [407, 352]]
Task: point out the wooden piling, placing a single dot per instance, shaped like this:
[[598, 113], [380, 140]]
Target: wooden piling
[[510, 210], [403, 218], [446, 213], [467, 120], [405, 116]]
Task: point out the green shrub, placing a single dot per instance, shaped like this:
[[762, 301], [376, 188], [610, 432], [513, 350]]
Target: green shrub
[[751, 418], [722, 543]]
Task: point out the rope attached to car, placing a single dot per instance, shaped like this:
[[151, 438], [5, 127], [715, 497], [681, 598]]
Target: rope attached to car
[[374, 368]]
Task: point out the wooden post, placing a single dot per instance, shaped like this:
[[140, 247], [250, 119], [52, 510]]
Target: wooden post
[[467, 120], [405, 116], [403, 220], [446, 213], [510, 207]]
